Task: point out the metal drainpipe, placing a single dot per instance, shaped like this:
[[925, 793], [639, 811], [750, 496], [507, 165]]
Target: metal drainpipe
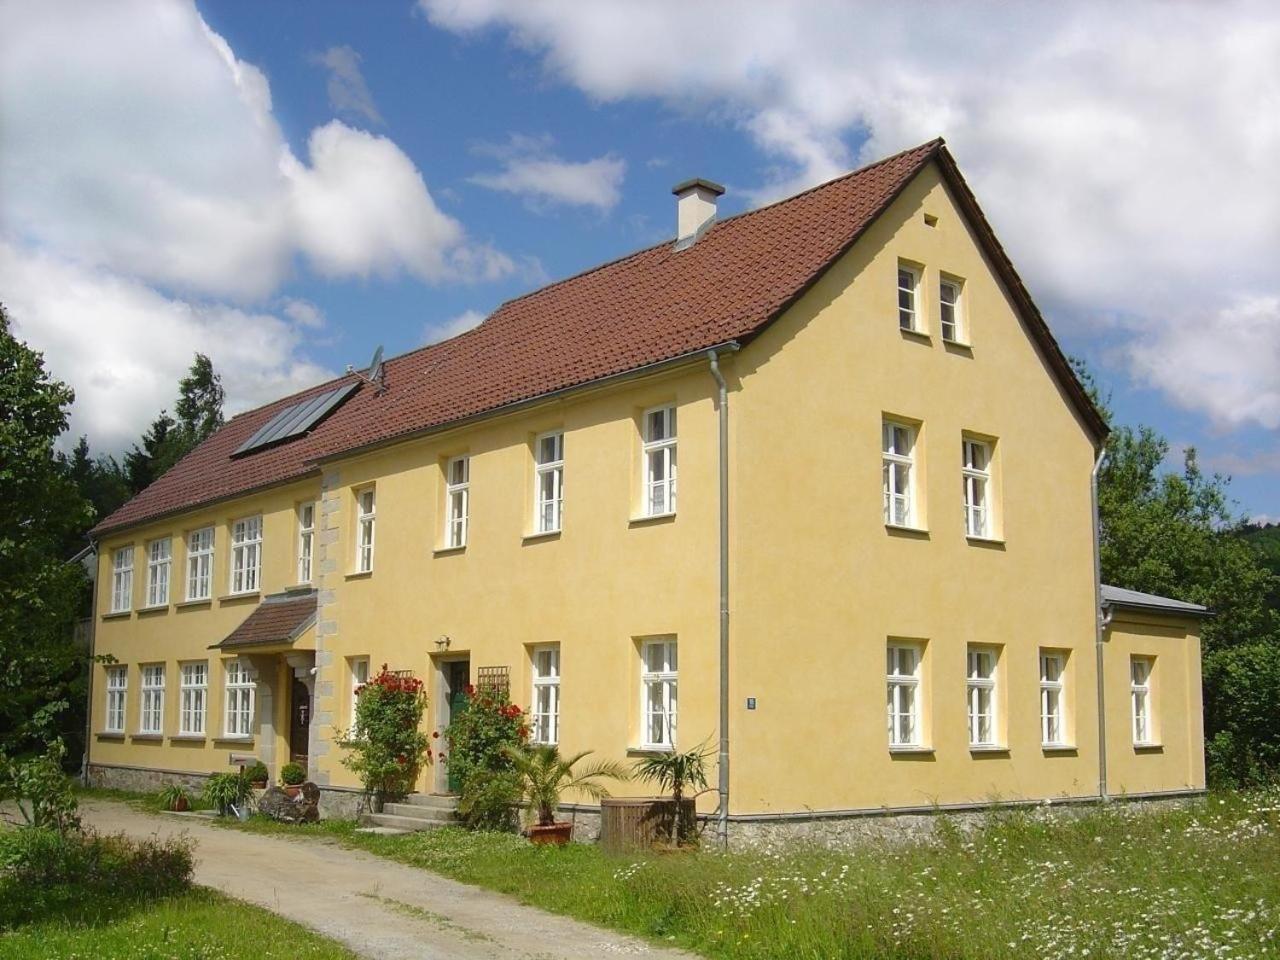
[[1100, 624], [93, 641], [722, 824]]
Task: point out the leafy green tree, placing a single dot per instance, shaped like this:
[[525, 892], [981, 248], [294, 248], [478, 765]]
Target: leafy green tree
[[40, 507], [200, 399]]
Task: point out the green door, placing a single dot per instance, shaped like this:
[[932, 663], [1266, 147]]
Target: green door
[[457, 676]]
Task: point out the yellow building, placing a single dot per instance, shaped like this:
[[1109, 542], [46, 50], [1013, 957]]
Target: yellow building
[[872, 590]]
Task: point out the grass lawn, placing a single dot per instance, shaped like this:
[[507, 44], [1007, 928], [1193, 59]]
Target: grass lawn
[[1124, 882], [195, 925]]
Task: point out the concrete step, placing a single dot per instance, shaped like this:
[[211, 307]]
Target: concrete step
[[437, 800], [419, 812], [399, 823]]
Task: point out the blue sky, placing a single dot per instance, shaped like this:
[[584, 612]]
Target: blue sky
[[440, 157]]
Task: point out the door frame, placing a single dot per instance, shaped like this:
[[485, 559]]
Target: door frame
[[440, 712]]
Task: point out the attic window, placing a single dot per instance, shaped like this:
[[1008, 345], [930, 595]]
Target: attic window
[[930, 220]]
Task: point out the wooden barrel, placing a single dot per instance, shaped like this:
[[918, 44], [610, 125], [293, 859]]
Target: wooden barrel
[[639, 823]]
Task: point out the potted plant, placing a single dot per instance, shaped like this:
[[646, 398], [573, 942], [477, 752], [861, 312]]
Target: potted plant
[[226, 791], [678, 773], [256, 774], [386, 747], [175, 798], [292, 776], [545, 776]]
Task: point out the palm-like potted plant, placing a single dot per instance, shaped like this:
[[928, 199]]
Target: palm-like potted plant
[[678, 773], [175, 798], [292, 776], [545, 776]]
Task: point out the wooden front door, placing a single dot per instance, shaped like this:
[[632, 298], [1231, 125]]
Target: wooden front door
[[457, 674], [299, 722]]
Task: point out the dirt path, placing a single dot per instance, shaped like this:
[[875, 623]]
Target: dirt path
[[378, 908]]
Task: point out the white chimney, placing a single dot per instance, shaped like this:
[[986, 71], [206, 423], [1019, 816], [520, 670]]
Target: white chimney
[[695, 209]]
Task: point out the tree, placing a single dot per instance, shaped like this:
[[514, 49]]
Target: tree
[[200, 397], [40, 508], [162, 447]]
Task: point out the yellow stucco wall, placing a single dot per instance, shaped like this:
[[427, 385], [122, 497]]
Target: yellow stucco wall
[[819, 584]]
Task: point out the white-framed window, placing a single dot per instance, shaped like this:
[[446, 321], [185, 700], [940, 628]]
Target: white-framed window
[[1053, 717], [122, 579], [546, 693], [151, 719], [660, 461], [902, 679], [950, 310], [981, 696], [246, 554], [240, 690], [159, 563], [117, 689], [366, 520], [194, 703], [976, 475], [457, 497], [898, 443], [200, 564], [1140, 694], [359, 667], [548, 489], [306, 540], [659, 670], [908, 297]]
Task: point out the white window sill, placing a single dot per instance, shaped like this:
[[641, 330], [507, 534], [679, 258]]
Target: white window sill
[[189, 738], [199, 602], [1150, 746], [300, 587], [234, 738], [903, 528], [446, 551], [543, 535], [915, 334], [990, 541], [644, 518], [110, 735], [988, 748], [1058, 747], [649, 750], [117, 615], [154, 608], [242, 595], [908, 749], [960, 344], [155, 737], [358, 575]]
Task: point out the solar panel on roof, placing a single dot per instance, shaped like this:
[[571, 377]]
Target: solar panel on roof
[[297, 419]]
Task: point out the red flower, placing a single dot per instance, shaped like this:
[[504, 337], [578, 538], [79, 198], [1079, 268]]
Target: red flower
[[471, 690]]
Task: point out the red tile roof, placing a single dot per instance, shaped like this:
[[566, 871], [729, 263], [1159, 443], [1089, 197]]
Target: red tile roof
[[279, 618], [652, 306]]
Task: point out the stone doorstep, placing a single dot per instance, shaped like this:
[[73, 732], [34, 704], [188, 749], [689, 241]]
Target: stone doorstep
[[417, 812], [400, 823], [438, 801]]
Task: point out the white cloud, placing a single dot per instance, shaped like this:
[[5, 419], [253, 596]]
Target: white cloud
[[348, 91], [123, 346], [435, 332], [530, 169], [302, 312], [1126, 153]]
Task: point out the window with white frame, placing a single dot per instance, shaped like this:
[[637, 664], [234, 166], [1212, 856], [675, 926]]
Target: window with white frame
[[1053, 730], [159, 562], [976, 475], [306, 540], [981, 696], [658, 693], [898, 442], [660, 461], [950, 315], [908, 305], [200, 564], [548, 489], [122, 580], [151, 719], [241, 687], [546, 693], [366, 519], [359, 667], [194, 703], [902, 677], [117, 688], [246, 554], [457, 496], [1140, 693]]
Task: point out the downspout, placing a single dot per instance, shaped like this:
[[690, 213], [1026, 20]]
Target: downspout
[[722, 820], [1100, 623], [93, 640]]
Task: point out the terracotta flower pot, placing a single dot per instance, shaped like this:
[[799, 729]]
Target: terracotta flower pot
[[292, 789], [180, 805], [554, 833]]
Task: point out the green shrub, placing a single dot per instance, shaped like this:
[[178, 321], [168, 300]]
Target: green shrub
[[480, 735], [292, 774], [41, 790], [173, 796], [1242, 688], [387, 747], [256, 772], [224, 789], [40, 856], [488, 800]]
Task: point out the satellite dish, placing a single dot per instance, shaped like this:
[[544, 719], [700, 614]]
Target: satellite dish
[[375, 365]]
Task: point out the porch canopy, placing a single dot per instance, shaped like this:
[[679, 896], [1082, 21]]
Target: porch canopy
[[279, 624]]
